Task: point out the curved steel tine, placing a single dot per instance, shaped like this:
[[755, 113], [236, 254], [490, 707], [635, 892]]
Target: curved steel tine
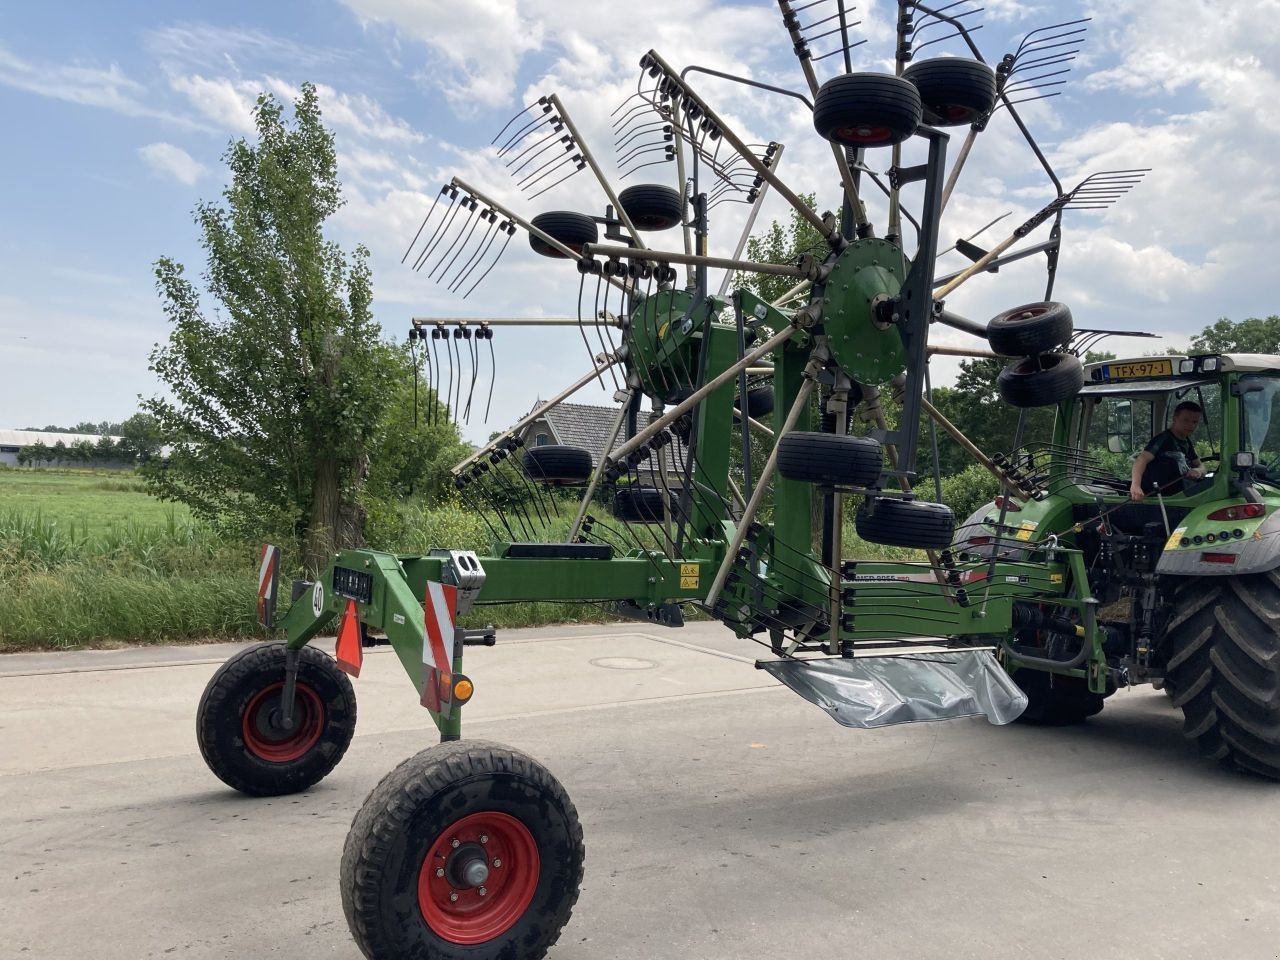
[[511, 232]]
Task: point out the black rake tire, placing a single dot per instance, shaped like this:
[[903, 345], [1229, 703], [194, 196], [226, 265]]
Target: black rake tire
[[955, 91], [633, 504], [469, 791], [759, 402], [1041, 381], [906, 523], [1224, 668], [1030, 329], [1054, 700], [651, 206], [867, 110], [558, 464], [571, 229], [237, 721], [830, 459]]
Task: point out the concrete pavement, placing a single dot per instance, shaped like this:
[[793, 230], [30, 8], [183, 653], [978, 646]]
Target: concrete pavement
[[724, 816]]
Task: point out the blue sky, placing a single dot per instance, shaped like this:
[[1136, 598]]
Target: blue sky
[[118, 115]]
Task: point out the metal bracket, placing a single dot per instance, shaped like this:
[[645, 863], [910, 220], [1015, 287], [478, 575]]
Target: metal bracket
[[288, 695], [464, 571]]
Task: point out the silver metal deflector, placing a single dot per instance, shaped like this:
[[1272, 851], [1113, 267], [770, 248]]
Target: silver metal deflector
[[880, 691]]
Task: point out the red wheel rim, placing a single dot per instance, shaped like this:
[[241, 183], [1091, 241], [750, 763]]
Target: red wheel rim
[[267, 739], [459, 912], [867, 136]]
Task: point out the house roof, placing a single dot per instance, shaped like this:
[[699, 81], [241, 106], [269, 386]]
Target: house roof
[[586, 426], [25, 438]]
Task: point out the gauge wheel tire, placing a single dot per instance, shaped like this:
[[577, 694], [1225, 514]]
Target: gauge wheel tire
[[1030, 329], [829, 459], [238, 722], [652, 206], [632, 504], [759, 402], [559, 465], [867, 110], [954, 91], [906, 523], [1224, 668], [400, 868], [1041, 381], [571, 229], [1054, 700]]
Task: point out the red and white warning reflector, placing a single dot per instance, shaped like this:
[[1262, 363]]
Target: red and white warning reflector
[[268, 582], [441, 612]]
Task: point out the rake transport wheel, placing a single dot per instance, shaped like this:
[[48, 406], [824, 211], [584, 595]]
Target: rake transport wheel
[[571, 229], [1041, 381], [1029, 329], [557, 464], [830, 459], [955, 91], [633, 504], [867, 110], [906, 523], [467, 851], [1224, 667], [651, 206], [1054, 700], [239, 727]]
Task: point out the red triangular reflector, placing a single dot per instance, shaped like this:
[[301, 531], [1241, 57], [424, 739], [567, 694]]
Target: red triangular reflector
[[350, 651]]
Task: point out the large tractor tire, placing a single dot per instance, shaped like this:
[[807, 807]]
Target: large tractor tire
[[1224, 668]]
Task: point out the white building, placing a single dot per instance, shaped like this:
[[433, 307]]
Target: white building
[[11, 441]]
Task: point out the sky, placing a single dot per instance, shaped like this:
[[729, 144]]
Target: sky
[[119, 115]]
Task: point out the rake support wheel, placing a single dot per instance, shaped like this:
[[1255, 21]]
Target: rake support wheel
[[867, 110], [652, 206], [829, 459], [557, 464], [572, 229], [906, 523], [1030, 329], [955, 91], [1041, 381]]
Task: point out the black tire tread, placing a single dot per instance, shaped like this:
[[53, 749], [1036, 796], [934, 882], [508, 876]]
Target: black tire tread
[[907, 523], [390, 804], [1011, 334], [653, 206], [1224, 668], [1021, 385], [830, 459], [871, 99], [569, 227], [953, 81], [258, 779], [557, 463]]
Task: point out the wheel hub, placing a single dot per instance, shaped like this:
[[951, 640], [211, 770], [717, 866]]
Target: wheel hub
[[863, 276], [265, 734]]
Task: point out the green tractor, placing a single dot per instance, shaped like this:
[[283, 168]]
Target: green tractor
[[1186, 581], [1040, 605]]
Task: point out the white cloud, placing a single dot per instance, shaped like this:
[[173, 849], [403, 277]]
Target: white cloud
[[228, 103], [106, 88], [172, 161]]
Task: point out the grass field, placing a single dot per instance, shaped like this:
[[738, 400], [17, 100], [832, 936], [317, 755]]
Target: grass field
[[90, 559]]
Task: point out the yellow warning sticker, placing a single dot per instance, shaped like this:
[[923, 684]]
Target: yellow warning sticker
[[688, 583], [1175, 538], [689, 576], [1025, 530], [1055, 578]]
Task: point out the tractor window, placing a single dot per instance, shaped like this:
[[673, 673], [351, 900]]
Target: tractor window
[[1260, 417], [1118, 428]]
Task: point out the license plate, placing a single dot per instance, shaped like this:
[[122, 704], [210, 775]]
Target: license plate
[[1138, 370]]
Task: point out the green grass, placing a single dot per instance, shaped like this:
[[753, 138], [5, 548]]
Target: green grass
[[90, 559]]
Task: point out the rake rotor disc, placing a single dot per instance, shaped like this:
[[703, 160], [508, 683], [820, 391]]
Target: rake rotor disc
[[867, 271]]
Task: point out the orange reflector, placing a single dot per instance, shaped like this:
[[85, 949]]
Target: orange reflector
[[463, 689]]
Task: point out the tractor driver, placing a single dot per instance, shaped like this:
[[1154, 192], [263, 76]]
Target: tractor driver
[[1170, 457]]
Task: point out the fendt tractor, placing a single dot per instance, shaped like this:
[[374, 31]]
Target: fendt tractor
[[1070, 585]]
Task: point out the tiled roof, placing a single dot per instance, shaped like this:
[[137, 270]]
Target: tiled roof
[[586, 426]]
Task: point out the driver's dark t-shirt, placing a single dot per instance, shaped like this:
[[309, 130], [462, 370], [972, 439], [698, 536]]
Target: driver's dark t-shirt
[[1173, 459]]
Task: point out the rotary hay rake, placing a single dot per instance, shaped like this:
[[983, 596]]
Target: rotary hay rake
[[472, 849]]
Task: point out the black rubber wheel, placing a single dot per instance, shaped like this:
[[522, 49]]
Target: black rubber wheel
[[906, 523], [955, 91], [571, 229], [759, 402], [558, 464], [518, 838], [238, 722], [867, 109], [632, 504], [652, 206], [1054, 700], [1030, 329], [1224, 667], [830, 459], [1041, 381]]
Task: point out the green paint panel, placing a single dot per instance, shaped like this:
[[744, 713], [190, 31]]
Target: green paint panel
[[866, 270]]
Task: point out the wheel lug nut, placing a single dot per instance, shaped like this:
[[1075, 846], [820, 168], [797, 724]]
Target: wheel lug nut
[[484, 838], [453, 898], [439, 871], [497, 862], [456, 844], [483, 891]]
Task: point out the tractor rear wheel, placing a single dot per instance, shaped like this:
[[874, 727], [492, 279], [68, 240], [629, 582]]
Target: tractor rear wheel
[[239, 726], [1224, 668], [466, 851]]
